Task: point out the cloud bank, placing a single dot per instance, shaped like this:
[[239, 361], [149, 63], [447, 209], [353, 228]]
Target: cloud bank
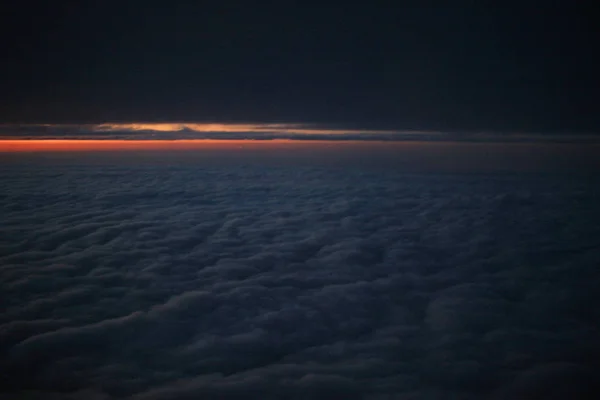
[[265, 131], [238, 281]]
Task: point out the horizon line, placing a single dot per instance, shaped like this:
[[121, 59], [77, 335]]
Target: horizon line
[[173, 131], [91, 145]]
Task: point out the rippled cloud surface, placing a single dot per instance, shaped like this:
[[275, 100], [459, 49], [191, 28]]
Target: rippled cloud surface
[[296, 282]]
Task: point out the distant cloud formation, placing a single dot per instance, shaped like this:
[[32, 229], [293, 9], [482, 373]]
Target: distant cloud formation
[[192, 130], [238, 281], [264, 131], [234, 128]]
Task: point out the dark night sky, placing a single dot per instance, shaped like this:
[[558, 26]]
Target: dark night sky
[[469, 66]]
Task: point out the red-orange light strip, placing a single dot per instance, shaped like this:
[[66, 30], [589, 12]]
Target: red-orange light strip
[[66, 145]]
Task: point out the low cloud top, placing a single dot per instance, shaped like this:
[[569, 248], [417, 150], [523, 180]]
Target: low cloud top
[[231, 281]]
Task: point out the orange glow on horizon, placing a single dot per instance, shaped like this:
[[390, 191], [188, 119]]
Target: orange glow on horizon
[[66, 145], [34, 145]]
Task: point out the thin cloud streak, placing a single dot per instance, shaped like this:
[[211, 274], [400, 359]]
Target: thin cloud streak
[[170, 131], [203, 127]]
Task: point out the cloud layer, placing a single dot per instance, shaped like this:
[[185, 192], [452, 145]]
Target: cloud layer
[[269, 131], [183, 130], [229, 281]]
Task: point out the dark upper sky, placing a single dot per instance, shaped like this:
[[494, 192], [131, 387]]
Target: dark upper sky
[[463, 67]]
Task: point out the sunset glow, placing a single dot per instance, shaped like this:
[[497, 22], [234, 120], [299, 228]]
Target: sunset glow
[[202, 127], [231, 128], [66, 145], [193, 127], [109, 145]]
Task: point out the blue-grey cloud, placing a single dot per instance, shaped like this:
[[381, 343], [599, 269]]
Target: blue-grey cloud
[[264, 131], [232, 281]]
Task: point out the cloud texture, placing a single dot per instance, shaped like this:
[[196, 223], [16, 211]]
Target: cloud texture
[[273, 131], [235, 281]]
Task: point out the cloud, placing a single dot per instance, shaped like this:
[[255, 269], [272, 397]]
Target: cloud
[[230, 281], [268, 131], [553, 381], [190, 130]]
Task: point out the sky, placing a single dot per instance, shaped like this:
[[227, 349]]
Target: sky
[[465, 67], [299, 200]]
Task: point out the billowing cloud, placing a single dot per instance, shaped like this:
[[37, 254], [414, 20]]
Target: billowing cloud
[[233, 280]]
